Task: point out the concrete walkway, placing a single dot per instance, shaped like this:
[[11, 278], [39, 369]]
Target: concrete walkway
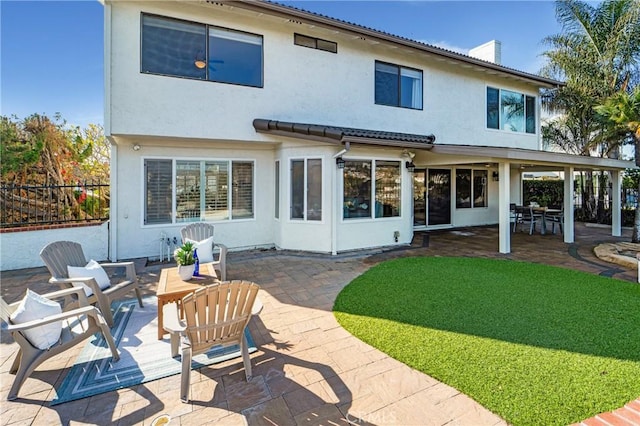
[[308, 370]]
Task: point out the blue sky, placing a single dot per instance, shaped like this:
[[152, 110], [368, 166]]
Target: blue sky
[[52, 51]]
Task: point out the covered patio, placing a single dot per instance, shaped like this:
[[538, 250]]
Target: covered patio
[[513, 162], [307, 369]]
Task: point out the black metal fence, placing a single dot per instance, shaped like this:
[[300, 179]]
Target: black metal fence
[[31, 205]]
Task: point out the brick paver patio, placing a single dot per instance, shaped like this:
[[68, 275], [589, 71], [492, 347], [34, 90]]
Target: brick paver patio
[[308, 370]]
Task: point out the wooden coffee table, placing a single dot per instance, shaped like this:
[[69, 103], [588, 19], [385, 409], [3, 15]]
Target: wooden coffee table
[[172, 288]]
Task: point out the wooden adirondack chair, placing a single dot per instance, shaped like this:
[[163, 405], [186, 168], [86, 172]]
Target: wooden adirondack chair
[[60, 254], [213, 315], [199, 231], [29, 357]]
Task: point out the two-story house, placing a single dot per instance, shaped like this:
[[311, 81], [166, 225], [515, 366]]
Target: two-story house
[[294, 130]]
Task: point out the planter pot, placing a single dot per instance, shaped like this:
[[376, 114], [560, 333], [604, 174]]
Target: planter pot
[[186, 271]]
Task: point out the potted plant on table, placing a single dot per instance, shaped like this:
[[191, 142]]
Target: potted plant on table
[[185, 259]]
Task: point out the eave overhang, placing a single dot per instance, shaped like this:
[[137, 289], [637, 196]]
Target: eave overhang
[[296, 15], [343, 135], [534, 157]]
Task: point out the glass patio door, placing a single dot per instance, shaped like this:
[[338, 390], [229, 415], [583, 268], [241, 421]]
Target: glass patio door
[[438, 197]]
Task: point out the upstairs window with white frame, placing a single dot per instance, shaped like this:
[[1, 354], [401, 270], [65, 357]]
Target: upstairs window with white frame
[[398, 86], [361, 179], [204, 190], [306, 189], [178, 48], [511, 111]]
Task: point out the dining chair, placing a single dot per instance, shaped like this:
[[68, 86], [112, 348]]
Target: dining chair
[[214, 315], [530, 216], [556, 218]]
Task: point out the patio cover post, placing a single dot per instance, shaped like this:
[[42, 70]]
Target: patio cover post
[[568, 229], [616, 204], [504, 197]]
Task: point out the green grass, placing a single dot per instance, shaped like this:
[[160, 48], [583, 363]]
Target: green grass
[[535, 344]]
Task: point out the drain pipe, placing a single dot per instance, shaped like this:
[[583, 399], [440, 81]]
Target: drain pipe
[[336, 201]]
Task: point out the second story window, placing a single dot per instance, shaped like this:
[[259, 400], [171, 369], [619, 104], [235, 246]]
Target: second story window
[[187, 49], [512, 111], [315, 43], [398, 86]]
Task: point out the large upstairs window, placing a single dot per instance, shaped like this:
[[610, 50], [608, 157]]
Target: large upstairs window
[[398, 86], [511, 111], [191, 50]]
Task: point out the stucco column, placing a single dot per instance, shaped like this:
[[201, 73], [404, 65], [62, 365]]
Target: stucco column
[[568, 228], [504, 198], [616, 204]]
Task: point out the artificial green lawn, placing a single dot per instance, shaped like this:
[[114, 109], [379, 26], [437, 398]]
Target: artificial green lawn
[[535, 344]]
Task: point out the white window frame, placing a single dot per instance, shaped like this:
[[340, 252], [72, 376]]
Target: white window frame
[[304, 218], [371, 216], [174, 162]]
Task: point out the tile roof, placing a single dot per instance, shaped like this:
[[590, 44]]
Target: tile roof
[[343, 134]]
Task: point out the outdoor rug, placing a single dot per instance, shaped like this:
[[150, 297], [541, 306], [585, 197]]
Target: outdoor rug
[[143, 357]]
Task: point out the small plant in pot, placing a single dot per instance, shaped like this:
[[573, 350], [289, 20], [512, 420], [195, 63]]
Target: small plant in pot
[[185, 260]]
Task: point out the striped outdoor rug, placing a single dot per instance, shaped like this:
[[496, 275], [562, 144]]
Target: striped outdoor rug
[[143, 357]]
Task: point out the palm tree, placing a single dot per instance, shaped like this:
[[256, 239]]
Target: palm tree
[[597, 54], [623, 109]]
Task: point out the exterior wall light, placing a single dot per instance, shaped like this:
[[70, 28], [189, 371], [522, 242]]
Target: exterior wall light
[[136, 147], [410, 166], [340, 162], [496, 176]]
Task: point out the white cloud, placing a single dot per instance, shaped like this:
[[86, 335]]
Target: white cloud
[[447, 46]]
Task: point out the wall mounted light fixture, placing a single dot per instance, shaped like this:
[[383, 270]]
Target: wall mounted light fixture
[[340, 162], [136, 147], [410, 166], [496, 176]]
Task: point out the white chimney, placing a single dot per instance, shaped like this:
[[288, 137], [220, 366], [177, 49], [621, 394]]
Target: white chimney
[[490, 51]]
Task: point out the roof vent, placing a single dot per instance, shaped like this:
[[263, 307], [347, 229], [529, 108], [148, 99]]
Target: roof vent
[[490, 52]]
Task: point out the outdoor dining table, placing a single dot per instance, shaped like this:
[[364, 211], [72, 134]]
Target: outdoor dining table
[[543, 211]]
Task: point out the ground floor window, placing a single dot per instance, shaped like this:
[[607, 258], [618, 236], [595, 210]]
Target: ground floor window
[[306, 189], [471, 188], [179, 191], [364, 178]]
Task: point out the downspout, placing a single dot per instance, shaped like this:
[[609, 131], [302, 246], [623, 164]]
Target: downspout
[[336, 201], [113, 204], [112, 250]]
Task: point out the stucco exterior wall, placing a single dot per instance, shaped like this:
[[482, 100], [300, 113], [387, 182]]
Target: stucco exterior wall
[[300, 85], [20, 250], [179, 118], [135, 239]]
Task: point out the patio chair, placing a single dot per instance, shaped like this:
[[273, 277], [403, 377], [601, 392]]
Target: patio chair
[[58, 256], [215, 315], [45, 335], [202, 233], [556, 218], [528, 215]]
